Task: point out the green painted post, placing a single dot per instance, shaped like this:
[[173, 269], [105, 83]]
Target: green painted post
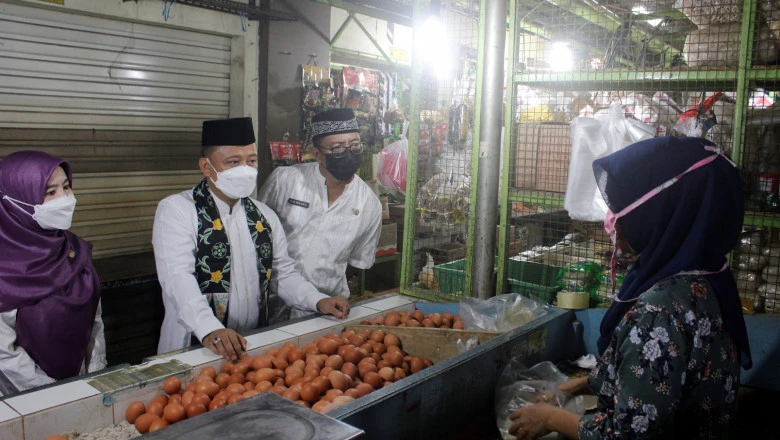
[[743, 82]]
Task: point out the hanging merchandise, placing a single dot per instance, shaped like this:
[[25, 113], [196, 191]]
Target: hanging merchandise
[[392, 163], [444, 199], [592, 139], [318, 94], [285, 153]]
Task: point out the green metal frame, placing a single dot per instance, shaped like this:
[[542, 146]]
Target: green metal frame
[[509, 123], [743, 83], [410, 213], [382, 15], [471, 226]]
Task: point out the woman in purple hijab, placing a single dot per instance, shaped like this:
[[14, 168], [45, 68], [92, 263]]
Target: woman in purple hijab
[[50, 324]]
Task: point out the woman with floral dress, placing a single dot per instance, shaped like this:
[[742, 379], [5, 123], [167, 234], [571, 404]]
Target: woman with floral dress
[[674, 338]]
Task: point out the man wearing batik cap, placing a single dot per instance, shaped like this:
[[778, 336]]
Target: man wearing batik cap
[[331, 216], [217, 249]]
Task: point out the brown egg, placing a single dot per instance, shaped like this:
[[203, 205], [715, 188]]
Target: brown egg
[[144, 422], [310, 393], [250, 393], [342, 400], [295, 355], [337, 380], [245, 359], [379, 320], [363, 389], [299, 364], [445, 323], [227, 368], [263, 386], [386, 373], [457, 325], [158, 424], [427, 323], [325, 371], [335, 361], [322, 384], [378, 336], [315, 360], [332, 394], [292, 377], [416, 364], [428, 362], [399, 374], [367, 368], [392, 319], [264, 374], [241, 368], [396, 358], [447, 315], [175, 413], [220, 379], [272, 351], [383, 363], [368, 347], [280, 363], [234, 398], [200, 398], [234, 378], [186, 398], [172, 385], [209, 371], [320, 406], [412, 323], [235, 388], [357, 340], [392, 340], [352, 392], [217, 403], [279, 383], [418, 315], [203, 379], [311, 348], [373, 379], [328, 346], [380, 348], [56, 437], [261, 361], [366, 334], [279, 389], [155, 408], [162, 399], [436, 318], [134, 410], [292, 394], [349, 369], [195, 409]]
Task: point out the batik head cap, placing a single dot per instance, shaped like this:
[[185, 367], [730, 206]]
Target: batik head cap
[[336, 121], [234, 131]]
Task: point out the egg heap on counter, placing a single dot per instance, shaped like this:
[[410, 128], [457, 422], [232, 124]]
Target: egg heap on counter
[[323, 375], [417, 319]]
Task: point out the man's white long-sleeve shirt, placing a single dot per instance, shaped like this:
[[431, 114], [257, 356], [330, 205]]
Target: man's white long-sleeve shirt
[[187, 311]]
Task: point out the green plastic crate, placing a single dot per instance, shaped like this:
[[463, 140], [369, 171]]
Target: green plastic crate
[[533, 279], [452, 276]]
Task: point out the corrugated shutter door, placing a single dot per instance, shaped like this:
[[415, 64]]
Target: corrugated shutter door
[[123, 102]]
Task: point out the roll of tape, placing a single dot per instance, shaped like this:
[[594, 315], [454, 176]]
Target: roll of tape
[[573, 300]]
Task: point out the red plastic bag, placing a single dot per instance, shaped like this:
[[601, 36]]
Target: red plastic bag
[[392, 165]]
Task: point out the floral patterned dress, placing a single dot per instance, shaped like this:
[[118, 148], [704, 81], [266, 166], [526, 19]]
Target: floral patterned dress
[[670, 371]]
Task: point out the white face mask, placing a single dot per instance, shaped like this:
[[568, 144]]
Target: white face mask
[[236, 183], [54, 214]]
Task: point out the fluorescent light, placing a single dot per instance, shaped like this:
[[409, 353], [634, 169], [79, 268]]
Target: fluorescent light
[[561, 58], [435, 47]]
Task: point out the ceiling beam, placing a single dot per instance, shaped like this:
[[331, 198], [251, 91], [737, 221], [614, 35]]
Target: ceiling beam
[[388, 10]]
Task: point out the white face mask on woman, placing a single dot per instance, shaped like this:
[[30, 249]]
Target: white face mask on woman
[[237, 182], [54, 214]]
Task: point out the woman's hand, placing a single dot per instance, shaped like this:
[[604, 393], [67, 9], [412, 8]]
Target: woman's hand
[[575, 387], [531, 421]]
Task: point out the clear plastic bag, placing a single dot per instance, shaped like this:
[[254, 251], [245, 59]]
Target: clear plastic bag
[[500, 313], [392, 164], [592, 139], [519, 386]]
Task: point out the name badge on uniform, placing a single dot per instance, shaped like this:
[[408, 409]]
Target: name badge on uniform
[[298, 203]]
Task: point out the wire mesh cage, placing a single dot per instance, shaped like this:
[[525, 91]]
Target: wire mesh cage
[[687, 68], [444, 95]]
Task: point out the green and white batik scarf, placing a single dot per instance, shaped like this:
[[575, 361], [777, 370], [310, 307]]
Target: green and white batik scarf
[[213, 259]]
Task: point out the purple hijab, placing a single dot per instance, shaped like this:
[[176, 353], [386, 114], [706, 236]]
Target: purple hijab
[[45, 275], [692, 225]]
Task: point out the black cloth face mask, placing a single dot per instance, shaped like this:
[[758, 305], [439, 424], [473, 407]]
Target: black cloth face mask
[[344, 167]]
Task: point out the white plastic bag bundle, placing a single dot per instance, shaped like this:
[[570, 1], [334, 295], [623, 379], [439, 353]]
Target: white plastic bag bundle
[[592, 139]]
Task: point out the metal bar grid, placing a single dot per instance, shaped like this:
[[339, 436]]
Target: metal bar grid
[[443, 129], [655, 62]]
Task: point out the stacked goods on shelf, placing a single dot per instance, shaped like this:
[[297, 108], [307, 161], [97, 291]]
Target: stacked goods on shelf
[[751, 264], [716, 41]]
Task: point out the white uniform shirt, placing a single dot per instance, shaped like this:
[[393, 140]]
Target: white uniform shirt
[[21, 370], [323, 240], [186, 309]]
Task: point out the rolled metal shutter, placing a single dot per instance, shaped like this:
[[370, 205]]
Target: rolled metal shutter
[[122, 101]]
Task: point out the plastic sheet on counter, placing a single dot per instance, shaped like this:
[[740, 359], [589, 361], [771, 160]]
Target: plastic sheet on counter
[[500, 313]]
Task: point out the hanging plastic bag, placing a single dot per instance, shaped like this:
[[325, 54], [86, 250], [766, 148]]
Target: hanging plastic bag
[[592, 139], [519, 386], [500, 313], [392, 163]]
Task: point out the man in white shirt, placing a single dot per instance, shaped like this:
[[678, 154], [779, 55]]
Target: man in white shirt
[[216, 250], [331, 216]]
